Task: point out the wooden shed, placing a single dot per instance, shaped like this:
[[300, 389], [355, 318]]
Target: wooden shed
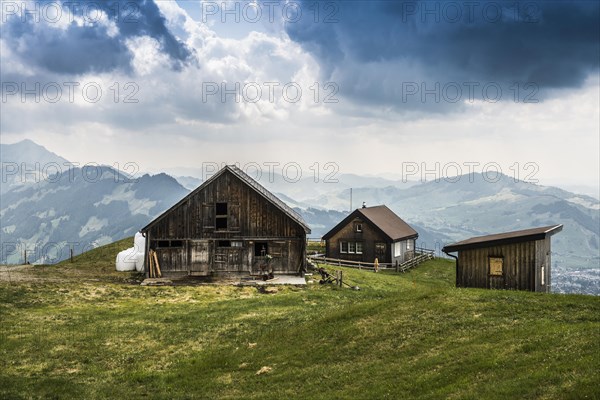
[[228, 225], [512, 260], [369, 233]]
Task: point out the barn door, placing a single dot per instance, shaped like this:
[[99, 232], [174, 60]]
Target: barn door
[[199, 256], [228, 259], [278, 251]]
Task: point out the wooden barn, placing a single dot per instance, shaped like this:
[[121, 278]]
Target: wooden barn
[[228, 225], [517, 260], [369, 233]]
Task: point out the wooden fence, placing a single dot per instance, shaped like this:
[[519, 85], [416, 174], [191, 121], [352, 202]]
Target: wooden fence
[[421, 255]]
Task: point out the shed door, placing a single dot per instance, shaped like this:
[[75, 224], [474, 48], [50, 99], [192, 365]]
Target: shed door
[[199, 257]]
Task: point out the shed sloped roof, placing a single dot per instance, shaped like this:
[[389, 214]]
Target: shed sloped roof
[[250, 182], [381, 217], [524, 235]]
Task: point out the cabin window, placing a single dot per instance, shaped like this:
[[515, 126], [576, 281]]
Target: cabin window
[[221, 216], [261, 249], [343, 247], [351, 247], [496, 266], [236, 244], [358, 227], [408, 245], [224, 243], [398, 249], [359, 247]]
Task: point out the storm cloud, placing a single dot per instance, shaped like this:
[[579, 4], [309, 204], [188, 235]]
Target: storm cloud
[[373, 49], [86, 36]]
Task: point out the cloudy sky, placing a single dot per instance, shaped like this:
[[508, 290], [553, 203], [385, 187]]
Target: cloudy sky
[[375, 87]]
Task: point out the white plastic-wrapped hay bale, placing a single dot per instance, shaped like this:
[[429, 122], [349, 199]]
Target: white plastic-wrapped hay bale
[[126, 260], [139, 242], [139, 261]]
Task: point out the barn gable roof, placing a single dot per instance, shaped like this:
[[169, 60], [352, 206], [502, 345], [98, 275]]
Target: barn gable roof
[[248, 181], [382, 218], [525, 235]]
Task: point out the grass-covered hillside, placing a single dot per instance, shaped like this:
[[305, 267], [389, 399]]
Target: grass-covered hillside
[[81, 330]]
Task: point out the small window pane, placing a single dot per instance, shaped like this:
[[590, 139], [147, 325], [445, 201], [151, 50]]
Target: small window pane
[[351, 247], [496, 266], [359, 247], [343, 247]]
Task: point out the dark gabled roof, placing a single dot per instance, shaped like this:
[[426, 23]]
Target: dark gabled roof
[[384, 219], [250, 182], [525, 235]]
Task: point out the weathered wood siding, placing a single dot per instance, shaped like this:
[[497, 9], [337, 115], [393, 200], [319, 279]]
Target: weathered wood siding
[[522, 264], [369, 237], [250, 218], [543, 265]]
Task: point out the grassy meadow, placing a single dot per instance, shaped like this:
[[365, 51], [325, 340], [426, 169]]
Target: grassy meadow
[[83, 330]]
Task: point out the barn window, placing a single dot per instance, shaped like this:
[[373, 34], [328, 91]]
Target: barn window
[[169, 243], [408, 245], [358, 227], [221, 209], [224, 243], [221, 216], [261, 249], [236, 244], [496, 266], [359, 247], [343, 247]]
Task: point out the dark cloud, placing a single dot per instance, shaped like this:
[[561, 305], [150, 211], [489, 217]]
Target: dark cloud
[[89, 47], [551, 44]]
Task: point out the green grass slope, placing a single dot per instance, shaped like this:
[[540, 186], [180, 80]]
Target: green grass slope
[[411, 335]]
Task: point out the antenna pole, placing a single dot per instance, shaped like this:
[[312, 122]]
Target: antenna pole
[[350, 199]]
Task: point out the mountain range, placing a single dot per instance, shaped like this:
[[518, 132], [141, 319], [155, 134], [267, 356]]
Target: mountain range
[[47, 207]]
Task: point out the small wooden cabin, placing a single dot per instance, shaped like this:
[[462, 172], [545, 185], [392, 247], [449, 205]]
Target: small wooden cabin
[[369, 233], [228, 225], [517, 260]]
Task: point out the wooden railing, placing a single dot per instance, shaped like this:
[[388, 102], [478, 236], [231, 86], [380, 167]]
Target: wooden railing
[[421, 255], [416, 260]]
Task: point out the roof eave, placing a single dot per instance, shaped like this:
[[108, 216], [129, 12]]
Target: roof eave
[[519, 239]]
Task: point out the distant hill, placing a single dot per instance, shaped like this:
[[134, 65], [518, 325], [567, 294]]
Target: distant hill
[[80, 208], [27, 162]]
